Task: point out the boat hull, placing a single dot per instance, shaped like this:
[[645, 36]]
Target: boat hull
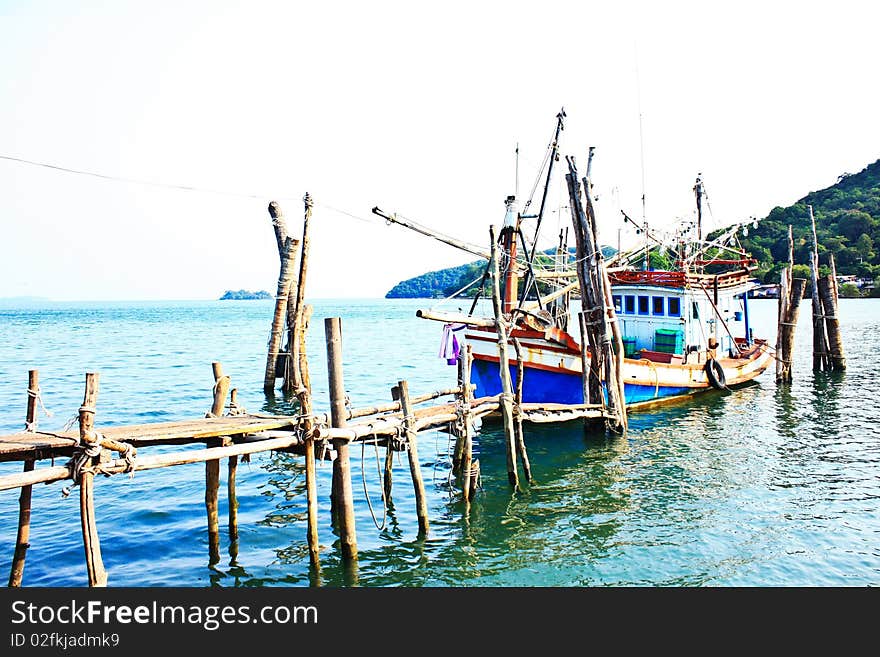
[[552, 372]]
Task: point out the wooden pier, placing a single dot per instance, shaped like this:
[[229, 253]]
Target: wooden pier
[[228, 433]]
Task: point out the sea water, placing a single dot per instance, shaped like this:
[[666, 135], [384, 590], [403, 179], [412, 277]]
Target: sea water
[[764, 485]]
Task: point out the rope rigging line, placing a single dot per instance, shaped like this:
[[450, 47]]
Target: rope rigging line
[[135, 181], [364, 480]]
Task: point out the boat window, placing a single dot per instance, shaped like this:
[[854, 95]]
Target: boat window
[[674, 307], [629, 304], [657, 306], [643, 305], [617, 307], [695, 311]]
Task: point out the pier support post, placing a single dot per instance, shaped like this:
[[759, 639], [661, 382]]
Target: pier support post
[[302, 382], [467, 450], [343, 500], [212, 469], [24, 500], [233, 509], [517, 412], [91, 543], [506, 402], [401, 393]]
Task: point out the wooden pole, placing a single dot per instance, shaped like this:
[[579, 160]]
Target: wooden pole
[[501, 324], [401, 392], [468, 445], [520, 437], [278, 320], [293, 380], [91, 543], [233, 509], [798, 285], [832, 324], [24, 500], [279, 224], [461, 396], [342, 495], [304, 394], [212, 469], [820, 339]]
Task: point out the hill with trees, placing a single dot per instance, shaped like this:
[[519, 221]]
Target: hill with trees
[[847, 226]]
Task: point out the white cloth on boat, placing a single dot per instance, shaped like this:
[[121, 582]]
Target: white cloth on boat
[[449, 346]]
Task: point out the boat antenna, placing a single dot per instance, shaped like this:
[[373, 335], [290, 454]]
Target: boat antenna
[[516, 174], [641, 132]]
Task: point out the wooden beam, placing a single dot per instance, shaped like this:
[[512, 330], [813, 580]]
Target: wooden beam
[[279, 318]]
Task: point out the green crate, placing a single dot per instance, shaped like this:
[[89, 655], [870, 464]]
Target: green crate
[[629, 347], [669, 341]]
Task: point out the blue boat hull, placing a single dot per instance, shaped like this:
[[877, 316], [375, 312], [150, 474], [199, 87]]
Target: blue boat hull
[[542, 386]]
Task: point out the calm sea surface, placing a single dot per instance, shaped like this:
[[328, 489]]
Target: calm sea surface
[[762, 486]]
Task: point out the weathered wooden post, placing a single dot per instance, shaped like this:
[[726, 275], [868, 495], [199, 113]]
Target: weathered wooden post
[[832, 324], [820, 338], [295, 332], [24, 500], [304, 394], [278, 320], [401, 393], [344, 500], [88, 438], [212, 468], [467, 451], [506, 401], [233, 508], [517, 412]]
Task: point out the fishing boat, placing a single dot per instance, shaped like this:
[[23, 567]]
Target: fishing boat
[[682, 329]]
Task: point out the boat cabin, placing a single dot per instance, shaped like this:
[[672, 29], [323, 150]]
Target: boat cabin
[[671, 317]]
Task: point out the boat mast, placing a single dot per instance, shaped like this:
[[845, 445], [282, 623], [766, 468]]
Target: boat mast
[[698, 192], [554, 154], [508, 244]]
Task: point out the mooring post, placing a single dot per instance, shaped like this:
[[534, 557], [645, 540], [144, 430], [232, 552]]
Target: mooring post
[[343, 498], [282, 295], [296, 343], [832, 324], [821, 360], [467, 451], [461, 398], [401, 393], [91, 543], [503, 365], [212, 469], [24, 500], [517, 412]]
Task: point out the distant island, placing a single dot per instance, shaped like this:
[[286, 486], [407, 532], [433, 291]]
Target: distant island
[[239, 295]]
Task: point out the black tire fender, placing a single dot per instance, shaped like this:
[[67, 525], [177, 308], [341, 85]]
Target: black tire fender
[[715, 374]]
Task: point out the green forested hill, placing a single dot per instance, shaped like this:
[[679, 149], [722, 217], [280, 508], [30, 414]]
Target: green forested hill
[[847, 225]]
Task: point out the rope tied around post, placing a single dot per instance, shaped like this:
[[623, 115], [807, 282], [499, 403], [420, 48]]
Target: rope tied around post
[[36, 394]]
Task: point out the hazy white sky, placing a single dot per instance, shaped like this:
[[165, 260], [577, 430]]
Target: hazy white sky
[[414, 107]]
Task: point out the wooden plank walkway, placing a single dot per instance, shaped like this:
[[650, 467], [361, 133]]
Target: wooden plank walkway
[[45, 444]]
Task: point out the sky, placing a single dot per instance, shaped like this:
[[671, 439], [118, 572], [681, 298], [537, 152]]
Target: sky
[[416, 108]]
